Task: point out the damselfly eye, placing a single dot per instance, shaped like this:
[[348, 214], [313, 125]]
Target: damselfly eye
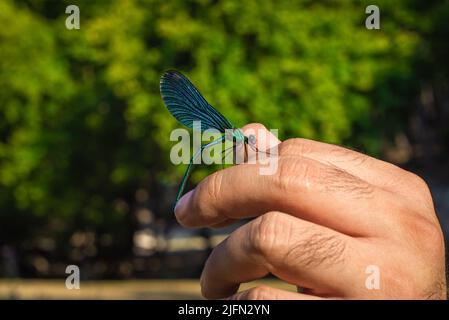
[[229, 135], [252, 139]]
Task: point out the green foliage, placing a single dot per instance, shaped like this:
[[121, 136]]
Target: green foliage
[[82, 124]]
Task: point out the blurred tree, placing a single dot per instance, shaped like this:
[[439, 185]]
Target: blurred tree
[[83, 128]]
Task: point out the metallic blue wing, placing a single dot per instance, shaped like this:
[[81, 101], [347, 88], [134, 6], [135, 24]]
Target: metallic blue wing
[[186, 104]]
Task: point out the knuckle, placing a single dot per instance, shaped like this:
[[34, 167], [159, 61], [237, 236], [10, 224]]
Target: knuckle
[[254, 127], [208, 192], [297, 146], [420, 236], [427, 233], [257, 126], [213, 186], [421, 185], [417, 180], [258, 293], [292, 173], [432, 233], [267, 236]]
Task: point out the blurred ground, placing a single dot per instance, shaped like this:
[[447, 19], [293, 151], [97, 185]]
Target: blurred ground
[[134, 289]]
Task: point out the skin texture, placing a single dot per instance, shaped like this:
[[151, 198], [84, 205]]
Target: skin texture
[[325, 216]]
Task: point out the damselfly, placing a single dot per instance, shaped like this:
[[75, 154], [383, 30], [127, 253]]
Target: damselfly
[[187, 105]]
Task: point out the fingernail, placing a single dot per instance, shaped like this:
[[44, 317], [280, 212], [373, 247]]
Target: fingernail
[[180, 209]]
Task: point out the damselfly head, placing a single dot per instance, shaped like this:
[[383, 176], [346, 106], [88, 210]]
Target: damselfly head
[[252, 139]]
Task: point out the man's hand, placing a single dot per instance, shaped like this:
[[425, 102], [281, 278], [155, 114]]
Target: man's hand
[[325, 216]]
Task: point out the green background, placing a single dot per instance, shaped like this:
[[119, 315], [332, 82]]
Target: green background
[[84, 134]]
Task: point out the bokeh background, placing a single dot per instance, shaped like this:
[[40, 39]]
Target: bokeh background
[[85, 174]]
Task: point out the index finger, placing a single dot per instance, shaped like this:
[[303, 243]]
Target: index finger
[[302, 187]]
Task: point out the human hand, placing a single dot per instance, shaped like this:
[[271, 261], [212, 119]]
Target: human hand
[[325, 216]]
